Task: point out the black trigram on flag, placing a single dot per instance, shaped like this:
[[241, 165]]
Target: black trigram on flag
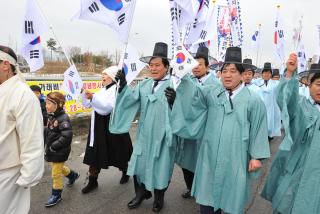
[[71, 73], [280, 32], [133, 67], [203, 34], [126, 56], [195, 23], [175, 13], [28, 27], [121, 18], [94, 7], [34, 54], [202, 44], [206, 3]]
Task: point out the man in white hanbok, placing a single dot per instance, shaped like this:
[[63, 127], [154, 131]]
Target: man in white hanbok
[[21, 137]]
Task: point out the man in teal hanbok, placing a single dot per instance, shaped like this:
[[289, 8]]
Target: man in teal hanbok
[[304, 81], [268, 88], [248, 74], [293, 184], [231, 123], [187, 149], [152, 159], [275, 74]]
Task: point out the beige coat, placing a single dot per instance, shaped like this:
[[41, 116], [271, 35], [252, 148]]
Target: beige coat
[[21, 140]]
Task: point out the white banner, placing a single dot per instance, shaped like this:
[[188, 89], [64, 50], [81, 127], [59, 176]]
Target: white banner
[[236, 23], [224, 31]]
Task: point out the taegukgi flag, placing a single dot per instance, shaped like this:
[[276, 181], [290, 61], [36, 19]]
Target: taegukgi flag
[[34, 26], [117, 14]]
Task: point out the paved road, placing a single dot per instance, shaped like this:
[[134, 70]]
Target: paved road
[[112, 198]]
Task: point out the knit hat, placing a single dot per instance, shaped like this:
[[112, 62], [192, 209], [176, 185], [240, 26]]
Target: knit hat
[[111, 72]]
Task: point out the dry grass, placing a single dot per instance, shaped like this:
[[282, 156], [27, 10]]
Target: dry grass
[[61, 67]]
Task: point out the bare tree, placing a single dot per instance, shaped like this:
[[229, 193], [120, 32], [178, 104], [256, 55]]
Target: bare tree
[[106, 58], [75, 54], [117, 56]]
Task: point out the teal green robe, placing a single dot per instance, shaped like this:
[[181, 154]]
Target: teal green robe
[[293, 184], [187, 149], [152, 160], [229, 139]]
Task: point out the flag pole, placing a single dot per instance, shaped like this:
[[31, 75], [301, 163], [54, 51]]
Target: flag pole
[[54, 34], [283, 62], [121, 62], [258, 46]]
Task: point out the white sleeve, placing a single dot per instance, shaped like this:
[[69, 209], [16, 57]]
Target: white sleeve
[[103, 102], [29, 128]]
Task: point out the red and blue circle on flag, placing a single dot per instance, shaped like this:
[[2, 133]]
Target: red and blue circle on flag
[[114, 5], [180, 58], [36, 41], [70, 85]]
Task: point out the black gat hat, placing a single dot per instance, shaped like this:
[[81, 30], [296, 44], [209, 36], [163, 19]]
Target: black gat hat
[[160, 50], [267, 67], [247, 64]]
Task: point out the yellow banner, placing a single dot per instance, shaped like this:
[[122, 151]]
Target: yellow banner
[[71, 106]]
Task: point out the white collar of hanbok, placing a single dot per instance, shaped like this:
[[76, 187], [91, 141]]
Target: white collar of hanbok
[[312, 101], [235, 92], [317, 105], [166, 77], [204, 78]]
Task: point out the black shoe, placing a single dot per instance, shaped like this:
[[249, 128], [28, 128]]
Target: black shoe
[[92, 185], [125, 178], [157, 205], [72, 177], [186, 194], [136, 201]]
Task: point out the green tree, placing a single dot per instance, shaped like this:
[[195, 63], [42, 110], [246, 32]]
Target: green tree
[[51, 44]]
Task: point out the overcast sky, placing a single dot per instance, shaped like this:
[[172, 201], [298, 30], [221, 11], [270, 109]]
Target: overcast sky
[[151, 24]]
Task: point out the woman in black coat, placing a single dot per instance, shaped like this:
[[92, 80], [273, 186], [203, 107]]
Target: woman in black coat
[[103, 148]]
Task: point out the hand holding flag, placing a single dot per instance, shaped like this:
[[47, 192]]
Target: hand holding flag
[[181, 64]]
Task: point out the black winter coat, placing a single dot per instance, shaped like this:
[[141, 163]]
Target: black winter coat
[[44, 111], [58, 137]]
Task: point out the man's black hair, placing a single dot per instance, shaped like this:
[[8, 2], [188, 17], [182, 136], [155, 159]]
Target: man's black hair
[[239, 67], [206, 61], [165, 62], [35, 88]]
